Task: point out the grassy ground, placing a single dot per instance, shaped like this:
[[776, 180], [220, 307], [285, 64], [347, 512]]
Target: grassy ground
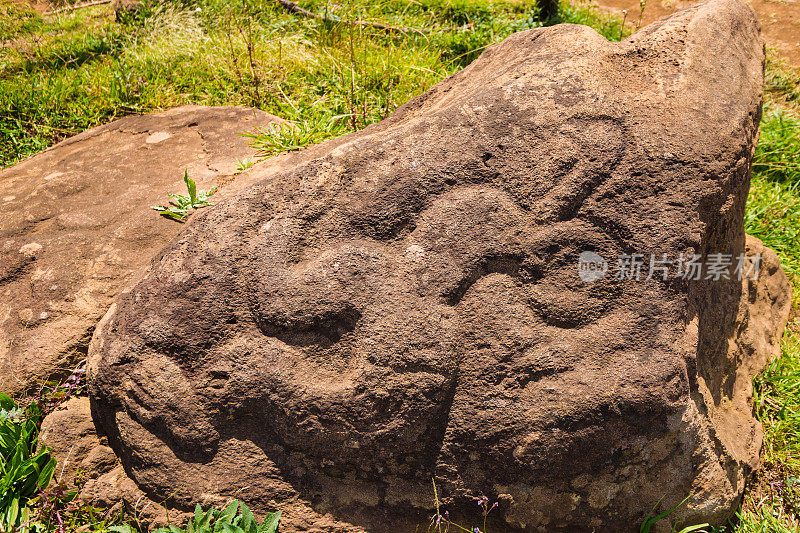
[[63, 73], [772, 503]]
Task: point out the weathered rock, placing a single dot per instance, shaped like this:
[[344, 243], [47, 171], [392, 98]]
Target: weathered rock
[[404, 303], [76, 225], [86, 463], [123, 8], [70, 433]]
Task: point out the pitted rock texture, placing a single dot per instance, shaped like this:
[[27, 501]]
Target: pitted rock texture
[[403, 303], [76, 225]]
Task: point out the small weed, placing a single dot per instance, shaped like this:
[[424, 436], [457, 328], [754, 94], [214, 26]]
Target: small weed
[[642, 6], [235, 518], [441, 522], [243, 164], [651, 519], [181, 204], [291, 136]]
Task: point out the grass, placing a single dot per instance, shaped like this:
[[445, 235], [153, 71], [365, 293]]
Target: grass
[[772, 502], [62, 74], [65, 73]]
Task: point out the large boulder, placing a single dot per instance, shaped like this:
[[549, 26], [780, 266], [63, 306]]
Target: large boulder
[[404, 304], [76, 226]]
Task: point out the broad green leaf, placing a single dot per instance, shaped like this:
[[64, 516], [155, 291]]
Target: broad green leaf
[[191, 186], [181, 201], [12, 513], [227, 515], [24, 518], [28, 489], [16, 459], [270, 523], [197, 522], [175, 215], [205, 520], [47, 473], [248, 522], [6, 402]]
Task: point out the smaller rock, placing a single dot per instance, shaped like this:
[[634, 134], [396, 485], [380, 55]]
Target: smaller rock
[[126, 7], [114, 490], [30, 249], [86, 463], [77, 225], [70, 433]]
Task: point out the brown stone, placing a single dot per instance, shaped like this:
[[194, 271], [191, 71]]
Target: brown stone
[[85, 462], [123, 8], [76, 225], [404, 303], [70, 433]]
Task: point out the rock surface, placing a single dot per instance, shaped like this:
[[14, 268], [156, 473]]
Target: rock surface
[[76, 225], [404, 303], [779, 20], [87, 464], [71, 435]]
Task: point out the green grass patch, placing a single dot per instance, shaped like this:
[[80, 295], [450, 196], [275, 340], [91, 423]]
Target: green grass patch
[[782, 81], [773, 215], [62, 74], [772, 502]]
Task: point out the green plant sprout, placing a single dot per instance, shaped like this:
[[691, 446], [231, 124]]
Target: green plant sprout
[[652, 518], [292, 136], [181, 204], [235, 518], [243, 164]]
